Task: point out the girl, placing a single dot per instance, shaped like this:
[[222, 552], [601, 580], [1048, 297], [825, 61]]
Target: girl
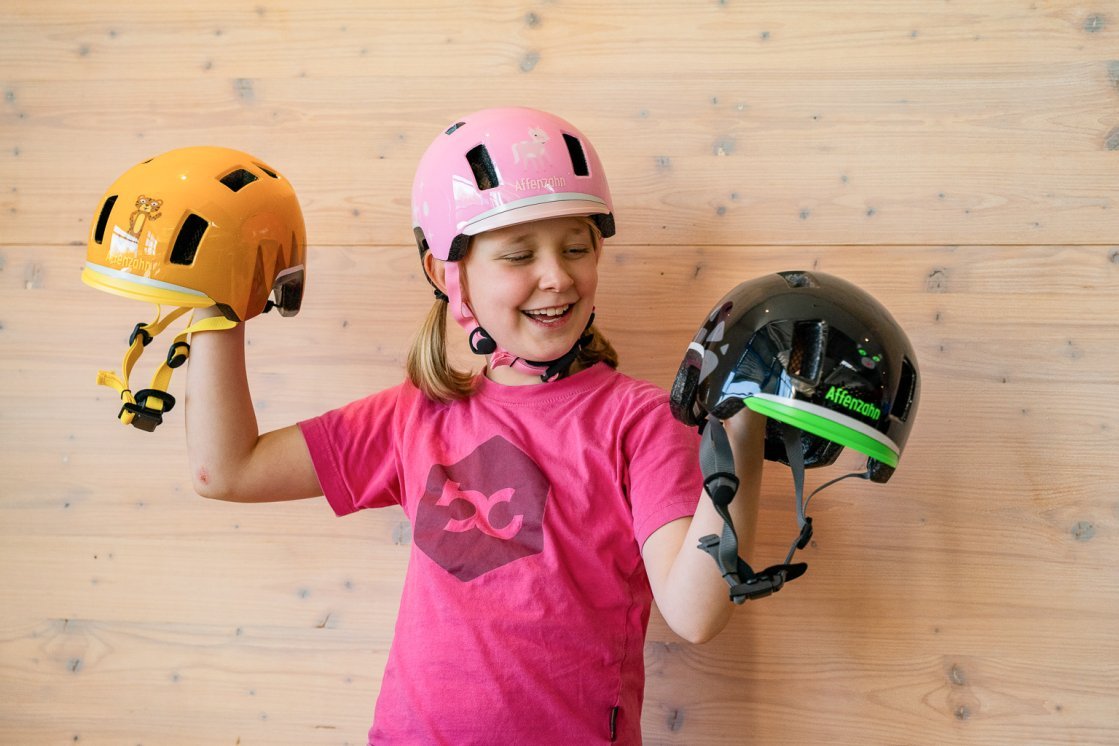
[[551, 497]]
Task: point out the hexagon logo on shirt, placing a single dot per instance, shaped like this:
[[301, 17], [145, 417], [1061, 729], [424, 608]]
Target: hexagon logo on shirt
[[482, 512]]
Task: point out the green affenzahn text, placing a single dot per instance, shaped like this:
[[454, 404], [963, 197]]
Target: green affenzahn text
[[845, 400]]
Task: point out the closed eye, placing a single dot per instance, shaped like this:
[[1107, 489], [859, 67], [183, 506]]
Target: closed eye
[[524, 257]]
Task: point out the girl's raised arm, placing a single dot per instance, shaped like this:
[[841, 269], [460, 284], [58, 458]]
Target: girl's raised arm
[[229, 459], [690, 593]]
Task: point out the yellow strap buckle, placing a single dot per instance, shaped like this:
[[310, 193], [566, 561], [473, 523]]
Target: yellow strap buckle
[[145, 408], [147, 416]]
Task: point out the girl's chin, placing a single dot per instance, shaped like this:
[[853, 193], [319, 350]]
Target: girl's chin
[[554, 349], [541, 356], [533, 340]]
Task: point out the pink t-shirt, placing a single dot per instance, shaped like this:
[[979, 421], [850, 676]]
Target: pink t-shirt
[[525, 603]]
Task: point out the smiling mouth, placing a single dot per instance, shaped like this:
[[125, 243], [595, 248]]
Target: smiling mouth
[[549, 315]]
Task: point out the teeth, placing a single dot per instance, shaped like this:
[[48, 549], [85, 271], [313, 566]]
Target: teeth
[[550, 311]]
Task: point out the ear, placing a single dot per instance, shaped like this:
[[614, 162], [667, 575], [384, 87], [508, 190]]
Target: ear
[[436, 270]]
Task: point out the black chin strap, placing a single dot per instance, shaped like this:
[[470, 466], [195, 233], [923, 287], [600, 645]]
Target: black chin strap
[[481, 343], [721, 484], [560, 365]]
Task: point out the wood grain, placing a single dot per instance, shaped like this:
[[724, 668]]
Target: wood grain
[[724, 124], [969, 600], [956, 160]]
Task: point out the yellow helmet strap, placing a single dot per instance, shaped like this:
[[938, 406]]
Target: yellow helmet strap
[[146, 407]]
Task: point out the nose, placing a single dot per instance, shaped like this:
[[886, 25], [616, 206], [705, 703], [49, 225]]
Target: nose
[[554, 274]]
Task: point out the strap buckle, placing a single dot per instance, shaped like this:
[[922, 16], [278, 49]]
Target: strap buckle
[[767, 582], [745, 584], [144, 417]]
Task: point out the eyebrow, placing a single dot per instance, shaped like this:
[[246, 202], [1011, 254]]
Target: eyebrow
[[521, 238], [528, 235]]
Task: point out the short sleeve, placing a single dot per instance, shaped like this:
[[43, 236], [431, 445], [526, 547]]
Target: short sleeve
[[353, 449], [663, 476]]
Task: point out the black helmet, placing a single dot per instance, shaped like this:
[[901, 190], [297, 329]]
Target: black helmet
[[810, 350], [824, 362]]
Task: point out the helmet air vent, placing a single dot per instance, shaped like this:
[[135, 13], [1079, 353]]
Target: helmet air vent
[[103, 219], [578, 157], [266, 170], [810, 340], [238, 179], [482, 166], [799, 279], [453, 127], [190, 236], [907, 385]]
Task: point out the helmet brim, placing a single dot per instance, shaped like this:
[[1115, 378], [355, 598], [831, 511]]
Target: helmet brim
[[828, 424], [142, 288], [566, 204]]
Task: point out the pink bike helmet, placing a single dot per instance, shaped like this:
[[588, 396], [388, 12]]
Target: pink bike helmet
[[492, 169], [501, 167]]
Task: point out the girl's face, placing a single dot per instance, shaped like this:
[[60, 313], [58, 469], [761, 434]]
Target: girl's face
[[532, 286]]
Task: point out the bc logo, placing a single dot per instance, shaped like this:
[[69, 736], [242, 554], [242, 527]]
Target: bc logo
[[483, 512], [483, 506]]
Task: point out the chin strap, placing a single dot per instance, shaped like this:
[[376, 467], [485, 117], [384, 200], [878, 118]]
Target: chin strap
[[481, 343], [721, 484], [146, 407]]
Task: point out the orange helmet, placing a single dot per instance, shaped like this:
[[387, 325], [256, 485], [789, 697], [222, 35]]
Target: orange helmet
[[198, 227], [192, 228]]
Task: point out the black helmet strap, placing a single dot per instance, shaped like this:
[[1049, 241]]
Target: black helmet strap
[[721, 484], [553, 368]]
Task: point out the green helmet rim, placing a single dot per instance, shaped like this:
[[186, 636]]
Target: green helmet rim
[[825, 423]]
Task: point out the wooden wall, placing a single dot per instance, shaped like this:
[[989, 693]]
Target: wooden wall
[[959, 160]]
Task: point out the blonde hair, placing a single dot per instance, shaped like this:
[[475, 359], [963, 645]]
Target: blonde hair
[[430, 370], [428, 367]]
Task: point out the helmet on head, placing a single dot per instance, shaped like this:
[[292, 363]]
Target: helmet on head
[[824, 362], [493, 169], [501, 167], [192, 228]]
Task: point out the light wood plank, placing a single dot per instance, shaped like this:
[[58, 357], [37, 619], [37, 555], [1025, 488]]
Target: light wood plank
[[952, 604], [806, 162], [722, 135], [575, 38], [955, 160]]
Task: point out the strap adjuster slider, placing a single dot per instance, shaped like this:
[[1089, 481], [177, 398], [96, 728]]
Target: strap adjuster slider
[[175, 359], [140, 330], [805, 533]]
